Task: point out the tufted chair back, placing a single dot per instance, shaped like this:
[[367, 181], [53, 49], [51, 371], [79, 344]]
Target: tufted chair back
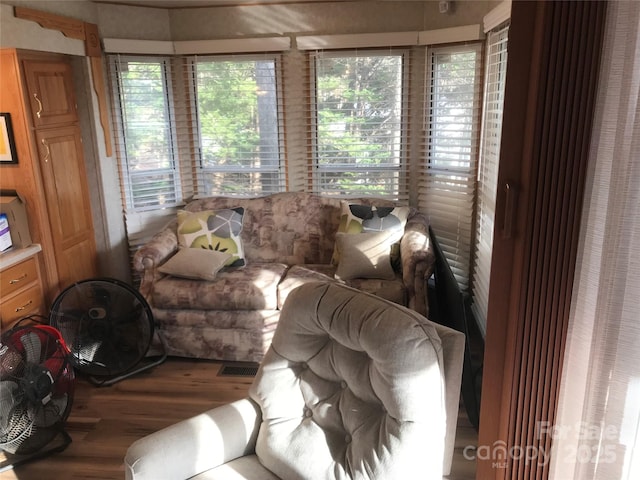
[[352, 387]]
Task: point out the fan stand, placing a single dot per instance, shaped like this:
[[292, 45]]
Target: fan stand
[[15, 460], [150, 363]]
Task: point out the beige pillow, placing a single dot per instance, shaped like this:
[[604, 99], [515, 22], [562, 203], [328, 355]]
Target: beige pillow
[[364, 255], [195, 263]]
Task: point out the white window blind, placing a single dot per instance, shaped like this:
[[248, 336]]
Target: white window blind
[[239, 125], [197, 126], [359, 126], [146, 142], [447, 184], [496, 69]]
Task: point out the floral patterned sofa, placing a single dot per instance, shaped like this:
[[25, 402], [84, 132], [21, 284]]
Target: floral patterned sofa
[[283, 240]]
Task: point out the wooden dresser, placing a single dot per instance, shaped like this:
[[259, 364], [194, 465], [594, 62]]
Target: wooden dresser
[[21, 291]]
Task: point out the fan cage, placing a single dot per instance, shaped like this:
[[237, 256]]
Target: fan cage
[[107, 325], [37, 384]]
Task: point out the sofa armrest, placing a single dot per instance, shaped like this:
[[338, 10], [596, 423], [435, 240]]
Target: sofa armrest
[[153, 253], [418, 262], [197, 444]]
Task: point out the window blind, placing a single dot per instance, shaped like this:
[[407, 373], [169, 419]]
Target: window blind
[[149, 116], [239, 121], [359, 123], [496, 69], [447, 183], [146, 142], [197, 126]]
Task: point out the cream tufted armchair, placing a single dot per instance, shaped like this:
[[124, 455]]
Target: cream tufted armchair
[[352, 387]]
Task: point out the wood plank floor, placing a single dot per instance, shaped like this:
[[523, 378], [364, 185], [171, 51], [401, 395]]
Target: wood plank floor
[[104, 421]]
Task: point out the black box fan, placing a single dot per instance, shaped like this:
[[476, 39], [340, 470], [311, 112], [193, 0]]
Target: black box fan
[[108, 327], [36, 392]]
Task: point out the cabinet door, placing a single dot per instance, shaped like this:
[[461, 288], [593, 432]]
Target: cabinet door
[[51, 94], [68, 205]]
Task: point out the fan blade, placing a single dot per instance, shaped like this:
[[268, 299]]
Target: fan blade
[[19, 428], [32, 346], [8, 400]]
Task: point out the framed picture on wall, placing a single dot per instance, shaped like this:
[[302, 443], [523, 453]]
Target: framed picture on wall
[[7, 145]]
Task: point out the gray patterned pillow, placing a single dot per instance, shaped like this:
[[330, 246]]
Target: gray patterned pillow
[[213, 230], [356, 219]]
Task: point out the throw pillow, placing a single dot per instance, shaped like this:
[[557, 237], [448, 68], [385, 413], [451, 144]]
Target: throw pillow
[[195, 263], [365, 255], [213, 230], [356, 218]]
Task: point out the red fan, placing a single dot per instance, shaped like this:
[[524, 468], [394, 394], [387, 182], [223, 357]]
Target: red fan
[[36, 392]]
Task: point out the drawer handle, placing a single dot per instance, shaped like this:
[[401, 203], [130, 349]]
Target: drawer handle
[[39, 112], [19, 309], [18, 280]]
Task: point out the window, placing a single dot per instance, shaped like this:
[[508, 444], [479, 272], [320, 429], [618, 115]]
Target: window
[[146, 139], [359, 109], [203, 126], [238, 122], [496, 69], [447, 190], [215, 125]]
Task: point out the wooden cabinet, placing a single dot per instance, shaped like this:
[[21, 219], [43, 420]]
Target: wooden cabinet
[[20, 286], [62, 166], [37, 89], [50, 92]]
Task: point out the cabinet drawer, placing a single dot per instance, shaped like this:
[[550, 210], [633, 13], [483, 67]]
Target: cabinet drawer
[[18, 276], [21, 305]]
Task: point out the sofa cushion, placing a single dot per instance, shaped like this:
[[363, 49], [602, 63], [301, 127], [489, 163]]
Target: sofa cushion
[[392, 290], [252, 287], [195, 263], [241, 468], [242, 335], [217, 230], [301, 274]]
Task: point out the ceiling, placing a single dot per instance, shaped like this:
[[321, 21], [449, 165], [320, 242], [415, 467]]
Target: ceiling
[[203, 3]]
